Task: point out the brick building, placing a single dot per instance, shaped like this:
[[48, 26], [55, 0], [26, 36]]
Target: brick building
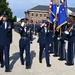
[[39, 12]]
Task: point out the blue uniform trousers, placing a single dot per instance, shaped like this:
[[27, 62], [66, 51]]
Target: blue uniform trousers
[[56, 46], [25, 47], [1, 55], [42, 46], [52, 43], [6, 51], [62, 54], [70, 53]]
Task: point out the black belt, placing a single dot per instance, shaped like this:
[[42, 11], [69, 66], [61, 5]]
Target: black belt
[[51, 30], [24, 38]]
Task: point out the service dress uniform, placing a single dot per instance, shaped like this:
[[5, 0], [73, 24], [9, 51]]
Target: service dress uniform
[[44, 41], [5, 41], [71, 47], [62, 51], [70, 34], [24, 44], [56, 44]]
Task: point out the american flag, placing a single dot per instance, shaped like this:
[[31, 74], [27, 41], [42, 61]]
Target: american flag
[[50, 6], [51, 2]]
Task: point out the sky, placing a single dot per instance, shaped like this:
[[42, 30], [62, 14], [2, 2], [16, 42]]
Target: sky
[[18, 7]]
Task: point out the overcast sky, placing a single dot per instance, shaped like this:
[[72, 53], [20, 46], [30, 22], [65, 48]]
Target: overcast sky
[[19, 6]]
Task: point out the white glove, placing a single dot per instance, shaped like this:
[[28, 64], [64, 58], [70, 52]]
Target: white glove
[[66, 32], [50, 45], [22, 24], [43, 25]]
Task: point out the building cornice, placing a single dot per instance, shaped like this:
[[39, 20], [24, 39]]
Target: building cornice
[[36, 11]]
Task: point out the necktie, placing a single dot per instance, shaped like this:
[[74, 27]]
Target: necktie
[[45, 30], [5, 25], [25, 29]]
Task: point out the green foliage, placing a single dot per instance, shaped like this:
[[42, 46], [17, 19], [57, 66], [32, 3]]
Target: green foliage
[[14, 19], [4, 7]]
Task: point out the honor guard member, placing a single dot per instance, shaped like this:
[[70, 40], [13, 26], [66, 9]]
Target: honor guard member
[[44, 41], [54, 9], [56, 44], [5, 40], [62, 51], [52, 38], [62, 55], [24, 43]]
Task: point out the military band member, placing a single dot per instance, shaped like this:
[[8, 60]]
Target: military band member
[[71, 42], [70, 34]]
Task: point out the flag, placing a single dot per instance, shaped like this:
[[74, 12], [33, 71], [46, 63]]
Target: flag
[[53, 8], [65, 5], [50, 6], [61, 17]]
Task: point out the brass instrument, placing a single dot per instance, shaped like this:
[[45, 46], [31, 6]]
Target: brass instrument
[[70, 27]]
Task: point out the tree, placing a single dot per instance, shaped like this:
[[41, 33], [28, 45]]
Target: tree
[[4, 7], [14, 19]]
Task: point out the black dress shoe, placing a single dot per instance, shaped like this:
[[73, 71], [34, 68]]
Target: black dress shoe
[[55, 55], [2, 65], [22, 63], [69, 64], [28, 67], [51, 52], [48, 65], [40, 61], [7, 70], [61, 59]]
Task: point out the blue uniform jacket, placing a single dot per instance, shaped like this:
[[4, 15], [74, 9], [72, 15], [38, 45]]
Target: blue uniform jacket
[[5, 34], [24, 34], [44, 38], [71, 36]]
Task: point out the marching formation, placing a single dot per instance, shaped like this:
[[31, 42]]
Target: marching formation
[[52, 36]]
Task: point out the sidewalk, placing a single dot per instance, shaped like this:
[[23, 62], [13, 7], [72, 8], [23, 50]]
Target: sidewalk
[[57, 68]]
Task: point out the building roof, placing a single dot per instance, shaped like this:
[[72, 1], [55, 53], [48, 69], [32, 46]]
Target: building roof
[[45, 8], [40, 7], [72, 9]]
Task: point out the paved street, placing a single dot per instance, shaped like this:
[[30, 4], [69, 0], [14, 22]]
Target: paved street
[[57, 68]]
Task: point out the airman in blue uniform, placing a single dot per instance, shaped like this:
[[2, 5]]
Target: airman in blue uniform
[[31, 27], [56, 44], [62, 55], [71, 41], [36, 27], [5, 40], [70, 34], [44, 41], [24, 43], [62, 50], [52, 36]]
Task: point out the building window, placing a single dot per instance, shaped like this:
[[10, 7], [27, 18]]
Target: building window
[[44, 15], [32, 14], [36, 15], [40, 15]]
